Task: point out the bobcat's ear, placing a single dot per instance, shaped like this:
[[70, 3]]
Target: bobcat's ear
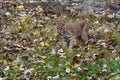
[[59, 21], [60, 24]]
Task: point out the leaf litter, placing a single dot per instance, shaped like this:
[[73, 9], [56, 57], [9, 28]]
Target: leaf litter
[[31, 47]]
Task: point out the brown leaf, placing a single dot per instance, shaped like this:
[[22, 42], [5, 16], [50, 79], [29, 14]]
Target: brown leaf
[[74, 76], [66, 78], [75, 60]]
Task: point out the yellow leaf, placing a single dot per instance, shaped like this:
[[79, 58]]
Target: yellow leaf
[[18, 45], [42, 43], [39, 47], [35, 20], [97, 30], [20, 27], [55, 33], [43, 57], [9, 4], [109, 79], [46, 44], [23, 20], [99, 16], [36, 33], [75, 42], [39, 6], [4, 61], [41, 14], [61, 53], [20, 7], [14, 63], [22, 69], [88, 46], [50, 38], [54, 16], [78, 55], [1, 61]]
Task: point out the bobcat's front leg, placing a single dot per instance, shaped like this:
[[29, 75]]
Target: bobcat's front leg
[[85, 36], [72, 40], [66, 40]]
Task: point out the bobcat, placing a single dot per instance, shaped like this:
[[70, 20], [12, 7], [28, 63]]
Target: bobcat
[[72, 32]]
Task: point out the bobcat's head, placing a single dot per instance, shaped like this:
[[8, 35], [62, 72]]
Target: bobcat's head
[[60, 28]]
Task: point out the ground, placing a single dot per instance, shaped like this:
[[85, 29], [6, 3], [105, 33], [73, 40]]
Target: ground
[[30, 47]]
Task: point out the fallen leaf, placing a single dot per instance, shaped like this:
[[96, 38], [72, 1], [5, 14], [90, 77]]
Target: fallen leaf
[[39, 6], [46, 44], [53, 52], [74, 76], [42, 43], [7, 68], [79, 69], [75, 60], [28, 71], [60, 50], [22, 68], [97, 30], [43, 57], [89, 46], [96, 22], [14, 63], [49, 77], [20, 27], [55, 33], [76, 65], [66, 78], [20, 7], [67, 70], [61, 54], [56, 77], [99, 17]]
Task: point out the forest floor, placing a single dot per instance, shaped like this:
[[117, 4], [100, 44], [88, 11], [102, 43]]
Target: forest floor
[[30, 48]]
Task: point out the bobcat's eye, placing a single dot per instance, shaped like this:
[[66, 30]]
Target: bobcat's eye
[[61, 28]]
